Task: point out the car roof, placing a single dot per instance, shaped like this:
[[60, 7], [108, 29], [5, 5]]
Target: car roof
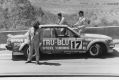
[[53, 25], [56, 26]]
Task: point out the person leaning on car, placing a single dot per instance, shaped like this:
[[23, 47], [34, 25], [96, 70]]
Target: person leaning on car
[[34, 42], [82, 22], [61, 21]]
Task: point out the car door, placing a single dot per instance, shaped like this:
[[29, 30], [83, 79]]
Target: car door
[[47, 40], [68, 41]]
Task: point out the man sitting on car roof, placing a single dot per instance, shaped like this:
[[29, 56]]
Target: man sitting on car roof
[[82, 22]]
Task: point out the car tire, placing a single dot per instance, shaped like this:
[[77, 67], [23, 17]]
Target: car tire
[[13, 56], [96, 50], [26, 51]]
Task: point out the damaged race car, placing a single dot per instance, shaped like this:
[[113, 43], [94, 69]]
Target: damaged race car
[[63, 39]]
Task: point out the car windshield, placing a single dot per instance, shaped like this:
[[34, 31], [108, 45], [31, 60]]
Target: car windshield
[[54, 32], [64, 32], [72, 29]]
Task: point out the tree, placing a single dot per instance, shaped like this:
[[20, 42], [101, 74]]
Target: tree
[[16, 13]]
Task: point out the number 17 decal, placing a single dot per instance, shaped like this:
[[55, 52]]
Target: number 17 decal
[[76, 44]]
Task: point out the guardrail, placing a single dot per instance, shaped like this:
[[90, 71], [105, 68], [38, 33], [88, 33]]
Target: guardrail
[[112, 31], [104, 27], [13, 31], [101, 27]]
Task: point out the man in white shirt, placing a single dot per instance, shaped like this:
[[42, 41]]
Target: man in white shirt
[[61, 19], [81, 23]]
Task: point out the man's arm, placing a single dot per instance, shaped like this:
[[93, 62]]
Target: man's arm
[[62, 21], [79, 22]]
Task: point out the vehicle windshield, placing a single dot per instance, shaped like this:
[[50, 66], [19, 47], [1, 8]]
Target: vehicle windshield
[[55, 32], [64, 32], [74, 31]]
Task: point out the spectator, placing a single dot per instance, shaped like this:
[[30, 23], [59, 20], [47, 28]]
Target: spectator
[[82, 22], [61, 19]]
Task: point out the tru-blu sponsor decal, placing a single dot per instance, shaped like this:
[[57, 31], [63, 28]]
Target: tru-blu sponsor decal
[[17, 40], [63, 43]]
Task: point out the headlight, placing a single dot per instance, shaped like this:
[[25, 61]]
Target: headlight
[[111, 43], [17, 44], [8, 41]]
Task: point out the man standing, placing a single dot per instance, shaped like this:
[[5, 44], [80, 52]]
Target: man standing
[[34, 42], [81, 23]]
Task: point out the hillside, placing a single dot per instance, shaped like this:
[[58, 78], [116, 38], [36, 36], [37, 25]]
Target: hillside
[[20, 14], [17, 14], [101, 12]]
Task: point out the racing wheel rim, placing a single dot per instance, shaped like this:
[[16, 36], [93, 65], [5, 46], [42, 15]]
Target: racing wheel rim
[[95, 50]]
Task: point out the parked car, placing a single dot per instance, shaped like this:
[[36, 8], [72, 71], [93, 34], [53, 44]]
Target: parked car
[[63, 39]]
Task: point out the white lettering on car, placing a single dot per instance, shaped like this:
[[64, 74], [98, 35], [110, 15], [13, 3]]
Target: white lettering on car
[[48, 42], [63, 43]]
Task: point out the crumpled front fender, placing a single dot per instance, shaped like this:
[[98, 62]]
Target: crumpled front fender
[[22, 46], [96, 41]]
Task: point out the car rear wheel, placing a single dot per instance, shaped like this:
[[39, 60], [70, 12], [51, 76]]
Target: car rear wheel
[[13, 56], [96, 50]]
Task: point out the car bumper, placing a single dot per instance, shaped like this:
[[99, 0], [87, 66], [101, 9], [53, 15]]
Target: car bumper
[[12, 48], [15, 51], [110, 49], [9, 47]]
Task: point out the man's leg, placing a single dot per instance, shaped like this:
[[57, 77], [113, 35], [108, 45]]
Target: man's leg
[[81, 29], [31, 47], [37, 53]]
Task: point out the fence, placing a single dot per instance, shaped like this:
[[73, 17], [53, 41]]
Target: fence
[[112, 31]]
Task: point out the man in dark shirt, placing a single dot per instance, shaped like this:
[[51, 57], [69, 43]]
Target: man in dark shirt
[[34, 42]]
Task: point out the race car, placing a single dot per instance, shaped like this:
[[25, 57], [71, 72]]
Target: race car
[[62, 39]]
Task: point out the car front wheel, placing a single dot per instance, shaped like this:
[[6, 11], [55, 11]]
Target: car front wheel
[[95, 50]]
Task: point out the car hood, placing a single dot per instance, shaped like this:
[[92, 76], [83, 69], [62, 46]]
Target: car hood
[[96, 36], [16, 38]]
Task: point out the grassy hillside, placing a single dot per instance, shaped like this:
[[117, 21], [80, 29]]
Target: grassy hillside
[[17, 14], [100, 12], [72, 6], [20, 14]]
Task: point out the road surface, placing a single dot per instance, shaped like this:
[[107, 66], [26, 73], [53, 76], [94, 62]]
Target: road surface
[[60, 65]]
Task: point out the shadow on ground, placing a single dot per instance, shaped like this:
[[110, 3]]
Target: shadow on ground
[[111, 55], [70, 56], [47, 63]]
